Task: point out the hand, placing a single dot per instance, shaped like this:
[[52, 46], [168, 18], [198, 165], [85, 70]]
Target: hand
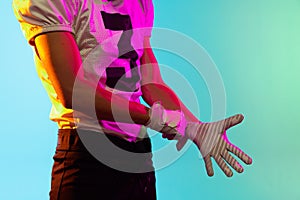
[[212, 141], [210, 138]]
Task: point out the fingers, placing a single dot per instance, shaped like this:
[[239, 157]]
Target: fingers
[[168, 130], [240, 154], [208, 166], [233, 120], [181, 142], [223, 166], [232, 162], [168, 136]]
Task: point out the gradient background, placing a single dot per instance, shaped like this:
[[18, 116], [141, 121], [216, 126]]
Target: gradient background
[[256, 46]]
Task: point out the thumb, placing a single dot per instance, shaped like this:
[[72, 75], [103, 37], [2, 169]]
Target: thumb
[[233, 120], [181, 142]]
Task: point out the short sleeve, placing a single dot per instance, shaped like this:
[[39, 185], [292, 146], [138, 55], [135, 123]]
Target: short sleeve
[[41, 16], [149, 17]]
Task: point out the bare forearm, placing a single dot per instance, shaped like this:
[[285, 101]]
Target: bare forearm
[[107, 106], [166, 96], [154, 89]]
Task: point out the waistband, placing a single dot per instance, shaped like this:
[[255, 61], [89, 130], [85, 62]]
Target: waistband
[[69, 139]]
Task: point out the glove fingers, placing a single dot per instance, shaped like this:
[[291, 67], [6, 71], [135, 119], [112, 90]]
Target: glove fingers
[[181, 142], [232, 162], [208, 166], [233, 120], [168, 136], [240, 154], [168, 130], [223, 166]]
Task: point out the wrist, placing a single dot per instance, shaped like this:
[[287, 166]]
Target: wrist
[[166, 121], [192, 129]]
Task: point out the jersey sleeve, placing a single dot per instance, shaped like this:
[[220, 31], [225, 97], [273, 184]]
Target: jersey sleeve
[[149, 17], [42, 16]]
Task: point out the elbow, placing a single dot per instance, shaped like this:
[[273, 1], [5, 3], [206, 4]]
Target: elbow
[[67, 100], [65, 97], [67, 103], [153, 87]]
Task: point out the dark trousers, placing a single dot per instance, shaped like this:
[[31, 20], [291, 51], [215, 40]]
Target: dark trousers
[[78, 175]]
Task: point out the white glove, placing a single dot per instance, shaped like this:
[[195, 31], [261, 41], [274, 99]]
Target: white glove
[[212, 141], [210, 138]]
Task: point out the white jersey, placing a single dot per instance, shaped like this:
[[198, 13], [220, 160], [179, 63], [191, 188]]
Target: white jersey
[[109, 28]]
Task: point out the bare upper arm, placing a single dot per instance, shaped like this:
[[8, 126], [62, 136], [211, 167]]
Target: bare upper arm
[[59, 55]]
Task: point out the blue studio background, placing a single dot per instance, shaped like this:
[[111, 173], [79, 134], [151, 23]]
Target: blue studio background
[[256, 47]]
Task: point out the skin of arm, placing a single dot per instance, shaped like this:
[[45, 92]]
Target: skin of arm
[[61, 59], [154, 89]]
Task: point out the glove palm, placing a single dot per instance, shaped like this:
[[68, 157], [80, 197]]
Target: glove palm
[[211, 139]]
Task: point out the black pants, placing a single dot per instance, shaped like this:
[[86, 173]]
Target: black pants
[[77, 175]]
